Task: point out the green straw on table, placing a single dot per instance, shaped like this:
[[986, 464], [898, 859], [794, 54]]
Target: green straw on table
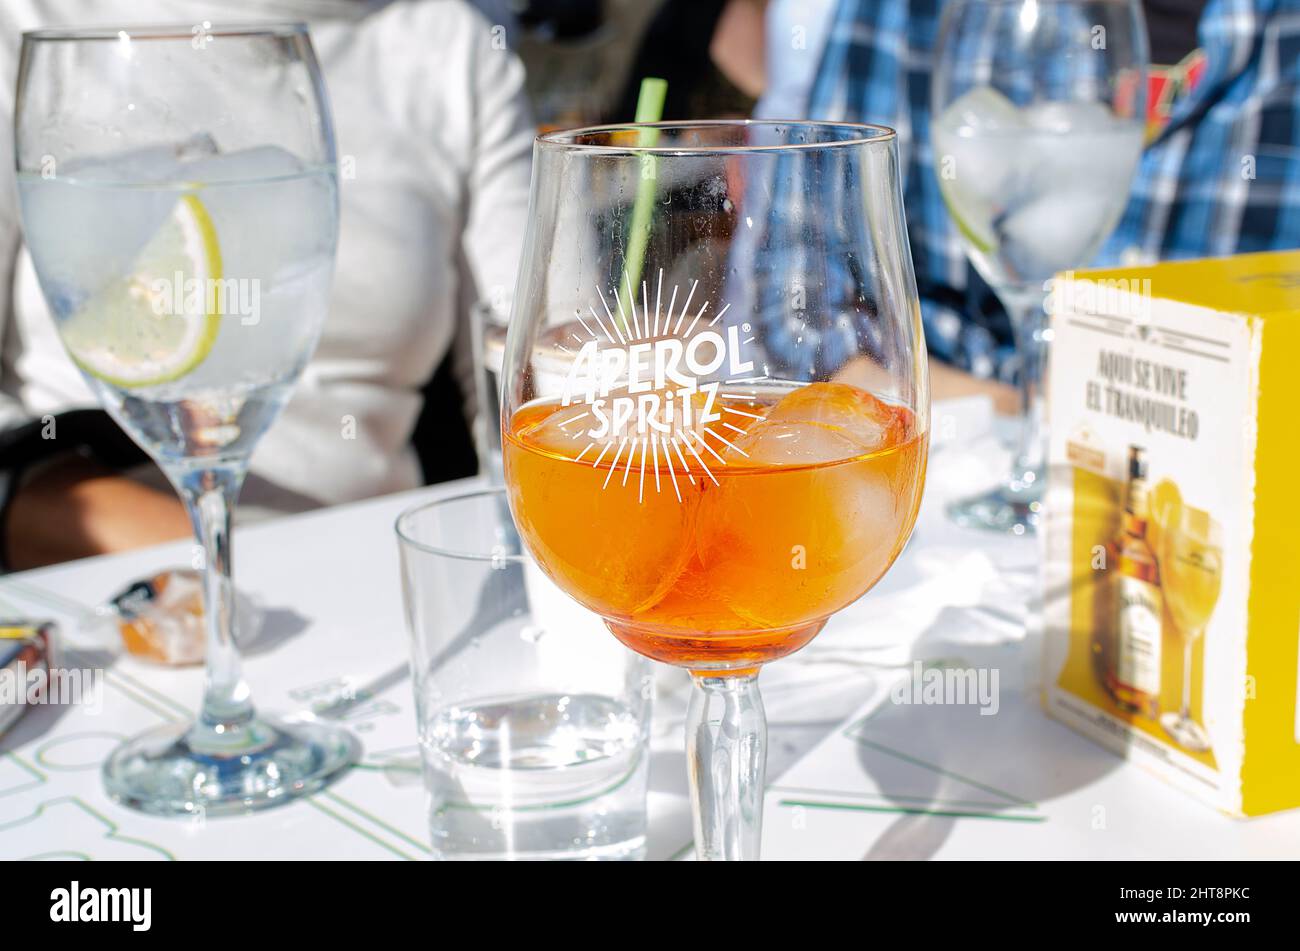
[[649, 108]]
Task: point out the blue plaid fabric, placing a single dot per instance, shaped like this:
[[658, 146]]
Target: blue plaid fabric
[[809, 267], [1223, 177]]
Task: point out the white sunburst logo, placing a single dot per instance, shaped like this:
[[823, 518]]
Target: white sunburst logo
[[652, 387]]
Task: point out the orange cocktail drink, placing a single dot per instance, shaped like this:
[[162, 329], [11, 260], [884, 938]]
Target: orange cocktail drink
[[724, 544]]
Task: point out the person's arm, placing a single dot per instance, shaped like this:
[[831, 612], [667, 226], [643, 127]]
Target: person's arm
[[498, 178], [74, 507], [737, 47], [64, 497], [948, 382], [496, 189]]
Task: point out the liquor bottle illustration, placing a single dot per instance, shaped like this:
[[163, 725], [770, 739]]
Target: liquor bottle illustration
[[1133, 676]]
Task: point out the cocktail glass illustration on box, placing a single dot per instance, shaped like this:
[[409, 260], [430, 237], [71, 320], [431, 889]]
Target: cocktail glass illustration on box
[[180, 202], [715, 445], [1191, 573], [1037, 131]]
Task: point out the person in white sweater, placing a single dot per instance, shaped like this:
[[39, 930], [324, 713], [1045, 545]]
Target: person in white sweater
[[434, 139]]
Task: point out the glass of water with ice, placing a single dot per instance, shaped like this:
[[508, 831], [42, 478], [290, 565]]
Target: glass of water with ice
[[1038, 118], [533, 722], [179, 198]]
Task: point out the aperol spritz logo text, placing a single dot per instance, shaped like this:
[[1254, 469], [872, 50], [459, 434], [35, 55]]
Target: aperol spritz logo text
[[654, 384]]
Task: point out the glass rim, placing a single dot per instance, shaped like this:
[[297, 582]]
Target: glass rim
[[165, 31], [465, 495], [866, 134]]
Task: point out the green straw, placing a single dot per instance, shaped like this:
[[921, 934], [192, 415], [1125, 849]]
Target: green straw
[[649, 108]]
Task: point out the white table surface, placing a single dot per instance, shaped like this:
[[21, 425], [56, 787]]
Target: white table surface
[[329, 583]]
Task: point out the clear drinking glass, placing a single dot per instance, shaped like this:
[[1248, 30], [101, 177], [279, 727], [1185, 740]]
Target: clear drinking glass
[[179, 198], [716, 443], [1038, 110], [533, 722]]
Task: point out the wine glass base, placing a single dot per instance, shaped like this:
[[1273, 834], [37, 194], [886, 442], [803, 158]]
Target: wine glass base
[[1185, 731], [160, 772], [1000, 510]]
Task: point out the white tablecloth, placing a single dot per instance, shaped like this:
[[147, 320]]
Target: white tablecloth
[[329, 583]]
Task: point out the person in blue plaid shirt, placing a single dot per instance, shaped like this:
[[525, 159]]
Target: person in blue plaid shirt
[[1220, 173]]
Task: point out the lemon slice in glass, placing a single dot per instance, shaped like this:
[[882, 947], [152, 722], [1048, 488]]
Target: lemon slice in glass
[[965, 211], [148, 328]]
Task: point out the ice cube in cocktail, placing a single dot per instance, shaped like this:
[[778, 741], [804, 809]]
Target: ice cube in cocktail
[[812, 516]]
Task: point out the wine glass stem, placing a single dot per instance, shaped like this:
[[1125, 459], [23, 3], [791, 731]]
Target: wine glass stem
[[1029, 328], [726, 745], [1187, 678], [209, 496]]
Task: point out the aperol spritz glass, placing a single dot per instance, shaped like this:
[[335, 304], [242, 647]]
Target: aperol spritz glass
[[715, 410]]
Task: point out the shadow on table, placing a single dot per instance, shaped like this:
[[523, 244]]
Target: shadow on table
[[364, 695], [938, 763], [41, 718], [278, 627], [668, 773]]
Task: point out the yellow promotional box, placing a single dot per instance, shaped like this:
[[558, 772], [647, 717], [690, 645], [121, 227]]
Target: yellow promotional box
[[1172, 541]]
